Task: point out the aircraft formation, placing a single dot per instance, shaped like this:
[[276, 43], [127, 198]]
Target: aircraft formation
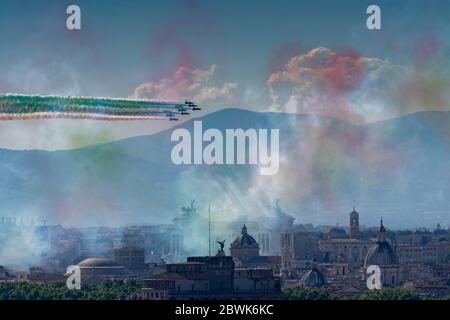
[[25, 107]]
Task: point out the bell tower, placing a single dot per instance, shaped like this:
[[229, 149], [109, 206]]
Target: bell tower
[[354, 223]]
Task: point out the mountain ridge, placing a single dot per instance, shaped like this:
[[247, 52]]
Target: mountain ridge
[[392, 169]]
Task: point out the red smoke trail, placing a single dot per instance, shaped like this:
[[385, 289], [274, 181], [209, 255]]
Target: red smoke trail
[[68, 115]]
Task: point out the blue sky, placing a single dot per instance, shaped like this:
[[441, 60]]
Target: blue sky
[[118, 47]]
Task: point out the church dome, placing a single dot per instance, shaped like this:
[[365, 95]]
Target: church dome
[[382, 253], [98, 263], [314, 278], [244, 240], [337, 233]]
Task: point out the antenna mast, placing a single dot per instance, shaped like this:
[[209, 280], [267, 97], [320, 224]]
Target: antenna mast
[[209, 230]]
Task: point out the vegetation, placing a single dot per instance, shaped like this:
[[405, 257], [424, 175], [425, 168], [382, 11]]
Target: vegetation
[[390, 294], [302, 293], [129, 290], [108, 290]]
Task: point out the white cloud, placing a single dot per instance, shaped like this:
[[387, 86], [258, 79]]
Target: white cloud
[[345, 86], [187, 83]]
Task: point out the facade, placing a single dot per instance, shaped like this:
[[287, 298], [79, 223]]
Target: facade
[[211, 278], [351, 251], [97, 270], [343, 248], [132, 258], [219, 270], [169, 286], [197, 277], [306, 246], [36, 275], [256, 280], [430, 253]]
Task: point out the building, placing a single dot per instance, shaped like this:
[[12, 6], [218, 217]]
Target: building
[[197, 277], [96, 242], [133, 258], [38, 275], [384, 256], [246, 253], [351, 251], [314, 278], [268, 231], [212, 277], [244, 247], [220, 272], [423, 254], [256, 280], [306, 246], [97, 270], [4, 275], [343, 248], [433, 252], [130, 252], [169, 286]]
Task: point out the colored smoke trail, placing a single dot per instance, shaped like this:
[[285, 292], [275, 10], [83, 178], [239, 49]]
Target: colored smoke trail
[[25, 107]]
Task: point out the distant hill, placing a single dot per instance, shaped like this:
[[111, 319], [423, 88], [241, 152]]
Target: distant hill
[[398, 169]]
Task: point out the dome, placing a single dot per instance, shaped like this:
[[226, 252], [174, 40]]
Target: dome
[[98, 262], [314, 278], [244, 240], [382, 253], [337, 232]]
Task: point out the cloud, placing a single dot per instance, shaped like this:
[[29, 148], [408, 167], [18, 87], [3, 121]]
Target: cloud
[[43, 76], [188, 83], [340, 85]]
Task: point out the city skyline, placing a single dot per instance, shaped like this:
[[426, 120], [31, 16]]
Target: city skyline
[[263, 261], [224, 150]]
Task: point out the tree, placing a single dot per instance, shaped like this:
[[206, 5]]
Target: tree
[[109, 290], [390, 294], [304, 293]]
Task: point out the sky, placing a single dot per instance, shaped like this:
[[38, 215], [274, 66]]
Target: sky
[[284, 56]]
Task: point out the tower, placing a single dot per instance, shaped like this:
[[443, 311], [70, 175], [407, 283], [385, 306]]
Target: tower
[[354, 223], [287, 250]]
